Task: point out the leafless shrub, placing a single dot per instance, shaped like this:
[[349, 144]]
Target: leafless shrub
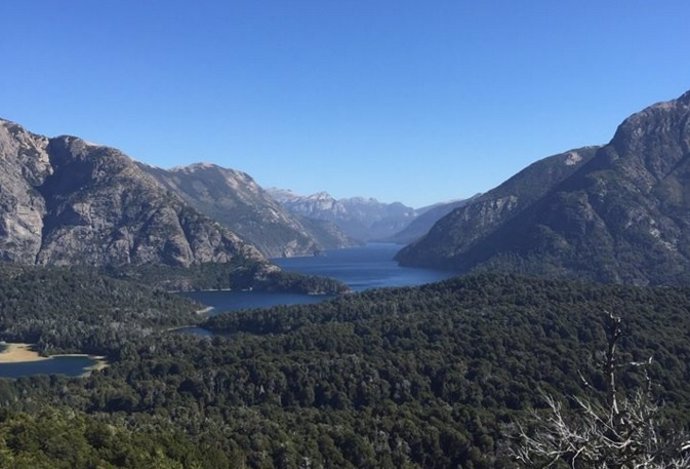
[[615, 432]]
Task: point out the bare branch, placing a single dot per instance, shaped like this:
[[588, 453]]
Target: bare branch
[[621, 433]]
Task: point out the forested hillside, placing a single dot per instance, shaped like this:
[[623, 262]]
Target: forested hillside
[[78, 310], [413, 377]]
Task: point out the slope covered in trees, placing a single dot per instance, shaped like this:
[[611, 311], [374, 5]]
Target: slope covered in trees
[[411, 377], [65, 440], [79, 310]]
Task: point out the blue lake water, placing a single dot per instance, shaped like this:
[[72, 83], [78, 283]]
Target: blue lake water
[[364, 267], [361, 268], [70, 366], [223, 301]]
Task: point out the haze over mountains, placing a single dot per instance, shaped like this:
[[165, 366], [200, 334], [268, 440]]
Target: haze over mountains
[[619, 213], [65, 201], [365, 219], [235, 200]]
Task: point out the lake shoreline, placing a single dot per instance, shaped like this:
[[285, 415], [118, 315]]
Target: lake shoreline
[[25, 353], [19, 353], [201, 312]]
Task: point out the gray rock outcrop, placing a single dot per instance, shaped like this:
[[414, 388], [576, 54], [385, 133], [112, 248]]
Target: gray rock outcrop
[[66, 201], [239, 203]]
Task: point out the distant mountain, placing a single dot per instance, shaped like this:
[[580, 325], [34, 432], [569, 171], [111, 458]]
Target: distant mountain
[[66, 201], [623, 215], [328, 234], [426, 217], [239, 203], [364, 219]]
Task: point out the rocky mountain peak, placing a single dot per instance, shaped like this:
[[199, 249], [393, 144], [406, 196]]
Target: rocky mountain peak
[[685, 98], [239, 203], [360, 218], [621, 216], [321, 196], [66, 201], [649, 144], [665, 120], [197, 167]]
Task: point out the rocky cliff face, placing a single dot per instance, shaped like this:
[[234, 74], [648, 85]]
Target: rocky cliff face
[[623, 216], [24, 166], [65, 201], [239, 203], [364, 219]]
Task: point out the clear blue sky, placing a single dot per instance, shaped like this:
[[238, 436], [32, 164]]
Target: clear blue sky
[[417, 101]]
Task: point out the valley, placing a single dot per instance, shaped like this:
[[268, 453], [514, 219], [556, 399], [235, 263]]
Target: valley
[[245, 327], [328, 380]]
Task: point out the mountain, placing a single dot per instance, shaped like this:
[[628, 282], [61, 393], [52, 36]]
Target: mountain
[[364, 219], [235, 200], [426, 217], [621, 216], [456, 232], [66, 201], [328, 234]]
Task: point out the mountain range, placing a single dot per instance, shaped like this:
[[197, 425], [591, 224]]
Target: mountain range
[[617, 213], [65, 201], [614, 213], [235, 200], [425, 218], [364, 219]]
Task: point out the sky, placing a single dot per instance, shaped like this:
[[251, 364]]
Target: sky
[[401, 100]]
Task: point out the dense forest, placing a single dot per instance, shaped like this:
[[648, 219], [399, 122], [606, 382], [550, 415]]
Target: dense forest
[[239, 274], [73, 309], [78, 309], [431, 376]]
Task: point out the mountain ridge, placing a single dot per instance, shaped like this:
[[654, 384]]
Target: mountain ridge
[[361, 218], [66, 201], [425, 218], [481, 215], [234, 199], [622, 217]]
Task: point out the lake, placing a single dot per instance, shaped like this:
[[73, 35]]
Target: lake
[[20, 359], [361, 268], [70, 366]]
